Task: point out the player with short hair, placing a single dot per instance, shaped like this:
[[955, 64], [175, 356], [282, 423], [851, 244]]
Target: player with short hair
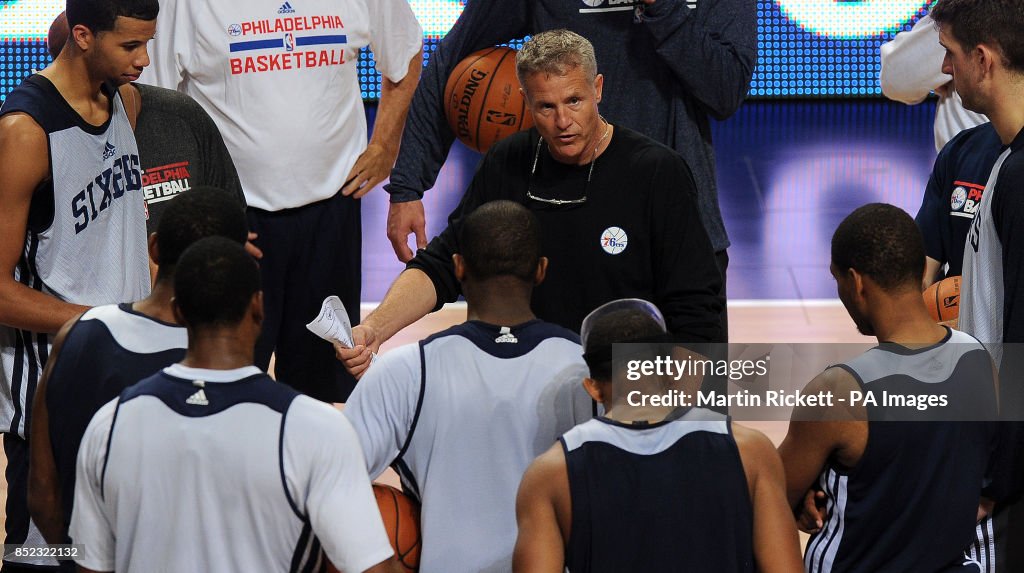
[[180, 148], [462, 413], [985, 56], [652, 488], [210, 465], [110, 348], [919, 477], [72, 215]]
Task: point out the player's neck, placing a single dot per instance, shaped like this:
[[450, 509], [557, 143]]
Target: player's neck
[[226, 348], [911, 328], [499, 301], [72, 79], [1007, 107], [158, 304]]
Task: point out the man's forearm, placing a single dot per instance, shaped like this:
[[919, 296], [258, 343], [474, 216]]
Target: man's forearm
[[410, 298], [28, 309], [394, 106]]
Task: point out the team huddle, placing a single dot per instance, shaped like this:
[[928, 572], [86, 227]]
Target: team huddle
[[160, 243]]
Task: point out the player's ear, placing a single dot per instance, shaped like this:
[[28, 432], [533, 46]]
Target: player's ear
[[178, 317], [598, 87], [256, 307], [82, 36], [460, 267], [154, 251], [541, 272], [593, 387]]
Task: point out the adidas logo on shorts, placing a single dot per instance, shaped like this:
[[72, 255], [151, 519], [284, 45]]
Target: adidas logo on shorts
[[286, 8]]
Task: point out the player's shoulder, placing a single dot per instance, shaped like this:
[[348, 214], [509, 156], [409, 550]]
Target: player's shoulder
[[311, 419], [35, 107], [978, 139]]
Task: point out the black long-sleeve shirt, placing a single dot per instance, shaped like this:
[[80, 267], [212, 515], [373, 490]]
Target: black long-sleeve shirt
[[638, 234]]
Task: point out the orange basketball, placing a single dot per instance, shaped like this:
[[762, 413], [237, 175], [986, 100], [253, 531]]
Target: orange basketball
[[943, 299], [401, 517], [482, 100], [402, 522]]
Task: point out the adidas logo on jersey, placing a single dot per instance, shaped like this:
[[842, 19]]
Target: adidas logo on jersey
[[506, 336], [198, 399], [109, 151], [286, 8]]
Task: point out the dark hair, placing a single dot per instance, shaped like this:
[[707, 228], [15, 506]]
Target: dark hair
[[214, 283], [100, 15], [617, 326], [500, 238], [973, 22], [880, 241], [201, 212]]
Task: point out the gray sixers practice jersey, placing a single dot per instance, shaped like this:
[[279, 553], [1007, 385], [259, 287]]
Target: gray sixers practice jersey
[[86, 236]]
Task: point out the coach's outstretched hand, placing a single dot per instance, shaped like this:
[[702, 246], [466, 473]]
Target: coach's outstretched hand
[[357, 359], [404, 218]]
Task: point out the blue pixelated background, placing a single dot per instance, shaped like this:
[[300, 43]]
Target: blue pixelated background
[[808, 48]]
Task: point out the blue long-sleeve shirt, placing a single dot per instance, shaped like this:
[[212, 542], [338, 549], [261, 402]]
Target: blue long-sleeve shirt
[[663, 77]]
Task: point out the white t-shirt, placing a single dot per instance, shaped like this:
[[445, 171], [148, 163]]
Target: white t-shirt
[[463, 414], [280, 81], [189, 471]]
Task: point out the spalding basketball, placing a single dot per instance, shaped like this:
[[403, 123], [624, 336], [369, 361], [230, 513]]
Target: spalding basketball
[[482, 100], [401, 517], [943, 299]]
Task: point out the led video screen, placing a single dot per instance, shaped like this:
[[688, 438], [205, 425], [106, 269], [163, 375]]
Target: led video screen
[[808, 48]]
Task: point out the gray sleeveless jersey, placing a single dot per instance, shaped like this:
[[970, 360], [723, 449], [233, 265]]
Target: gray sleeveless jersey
[[981, 296], [86, 236]]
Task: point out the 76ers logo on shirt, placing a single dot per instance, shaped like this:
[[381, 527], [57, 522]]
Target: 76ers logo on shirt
[[965, 199], [614, 240]]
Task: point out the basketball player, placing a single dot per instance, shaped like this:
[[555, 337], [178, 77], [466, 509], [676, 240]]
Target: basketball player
[[72, 215], [110, 348], [281, 83], [674, 65], [652, 489], [900, 496], [180, 148], [210, 465], [617, 212], [501, 387], [985, 56]]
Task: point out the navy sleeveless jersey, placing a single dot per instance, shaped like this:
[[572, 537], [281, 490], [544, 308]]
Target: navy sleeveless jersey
[[108, 349], [664, 497], [911, 502]]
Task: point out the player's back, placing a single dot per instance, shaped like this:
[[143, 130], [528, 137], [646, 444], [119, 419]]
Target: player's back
[[207, 470], [668, 496], [108, 349], [910, 503], [487, 400]]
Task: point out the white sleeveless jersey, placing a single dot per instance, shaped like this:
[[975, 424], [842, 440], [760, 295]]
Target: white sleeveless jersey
[[981, 296], [86, 236]]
